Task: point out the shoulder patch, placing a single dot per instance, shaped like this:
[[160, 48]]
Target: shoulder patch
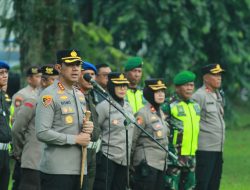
[[47, 99], [28, 104], [18, 101]]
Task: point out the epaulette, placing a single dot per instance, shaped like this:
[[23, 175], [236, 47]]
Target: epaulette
[[7, 98], [60, 85]]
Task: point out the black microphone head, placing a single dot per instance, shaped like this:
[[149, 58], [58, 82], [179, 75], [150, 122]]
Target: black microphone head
[[87, 77]]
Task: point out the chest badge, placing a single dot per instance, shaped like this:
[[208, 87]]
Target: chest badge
[[115, 122], [81, 98], [63, 97], [69, 119], [159, 133], [60, 92], [139, 120]]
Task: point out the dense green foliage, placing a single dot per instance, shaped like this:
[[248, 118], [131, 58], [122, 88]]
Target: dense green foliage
[[170, 35], [40, 28], [182, 34]]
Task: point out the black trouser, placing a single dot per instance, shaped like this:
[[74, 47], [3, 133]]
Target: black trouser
[[4, 169], [16, 176], [109, 175], [30, 179], [208, 170], [59, 182], [91, 159], [148, 178]]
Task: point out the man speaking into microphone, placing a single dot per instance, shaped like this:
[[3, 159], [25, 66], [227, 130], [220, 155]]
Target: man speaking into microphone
[[61, 126]]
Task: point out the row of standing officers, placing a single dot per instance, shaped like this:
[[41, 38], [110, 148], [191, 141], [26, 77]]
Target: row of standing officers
[[51, 133]]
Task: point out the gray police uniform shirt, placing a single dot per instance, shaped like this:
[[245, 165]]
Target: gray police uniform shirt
[[23, 94], [59, 118], [145, 149], [212, 125], [114, 136], [25, 143]]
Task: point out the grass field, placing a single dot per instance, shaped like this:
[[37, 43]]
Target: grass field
[[236, 170]]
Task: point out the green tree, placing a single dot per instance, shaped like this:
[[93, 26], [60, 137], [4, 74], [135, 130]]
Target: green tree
[[40, 28], [181, 34]]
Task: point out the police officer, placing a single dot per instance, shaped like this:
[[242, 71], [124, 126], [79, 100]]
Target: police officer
[[149, 159], [111, 168], [33, 77], [212, 133], [133, 71], [184, 117], [61, 125], [25, 144], [5, 131], [86, 88]]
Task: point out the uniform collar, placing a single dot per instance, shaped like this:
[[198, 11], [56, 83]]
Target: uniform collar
[[176, 97]]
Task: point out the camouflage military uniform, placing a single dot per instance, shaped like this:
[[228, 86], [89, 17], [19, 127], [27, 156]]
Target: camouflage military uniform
[[95, 138], [185, 119]]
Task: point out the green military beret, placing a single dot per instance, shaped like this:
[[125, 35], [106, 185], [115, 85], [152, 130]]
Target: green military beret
[[133, 62], [184, 77]]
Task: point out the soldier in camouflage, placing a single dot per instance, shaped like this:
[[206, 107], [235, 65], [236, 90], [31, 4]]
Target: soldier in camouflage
[[183, 116], [91, 100]]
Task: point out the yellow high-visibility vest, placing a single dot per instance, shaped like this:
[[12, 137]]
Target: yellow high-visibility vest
[[135, 99], [187, 120]]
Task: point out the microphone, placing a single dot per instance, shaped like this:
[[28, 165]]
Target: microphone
[[89, 79]]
